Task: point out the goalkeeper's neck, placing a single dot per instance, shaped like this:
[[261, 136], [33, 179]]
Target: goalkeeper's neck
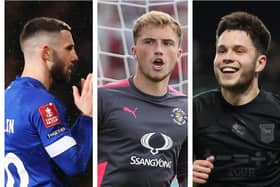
[[151, 87]]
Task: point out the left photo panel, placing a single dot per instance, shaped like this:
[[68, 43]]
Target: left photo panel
[[48, 93]]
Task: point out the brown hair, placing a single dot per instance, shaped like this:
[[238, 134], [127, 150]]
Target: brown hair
[[249, 23]]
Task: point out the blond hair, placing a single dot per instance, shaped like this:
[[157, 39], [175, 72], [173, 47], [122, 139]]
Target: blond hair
[[156, 18]]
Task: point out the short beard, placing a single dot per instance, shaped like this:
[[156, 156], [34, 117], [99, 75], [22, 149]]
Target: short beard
[[57, 71]]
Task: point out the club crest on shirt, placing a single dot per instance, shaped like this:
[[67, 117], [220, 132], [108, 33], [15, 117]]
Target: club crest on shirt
[[267, 132], [49, 115], [179, 116]]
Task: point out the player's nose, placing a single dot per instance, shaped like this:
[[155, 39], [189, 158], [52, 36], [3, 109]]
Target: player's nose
[[158, 49], [74, 57], [228, 56]]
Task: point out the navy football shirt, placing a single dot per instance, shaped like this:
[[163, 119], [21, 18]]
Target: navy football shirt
[[140, 137], [245, 140]]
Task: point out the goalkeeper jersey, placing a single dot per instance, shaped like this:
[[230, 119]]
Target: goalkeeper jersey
[[141, 138], [245, 140], [38, 140]]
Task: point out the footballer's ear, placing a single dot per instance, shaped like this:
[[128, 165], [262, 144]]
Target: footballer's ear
[[179, 53], [133, 52], [45, 53], [261, 62]]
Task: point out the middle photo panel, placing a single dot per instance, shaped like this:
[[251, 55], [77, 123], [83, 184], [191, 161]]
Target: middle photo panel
[[142, 94]]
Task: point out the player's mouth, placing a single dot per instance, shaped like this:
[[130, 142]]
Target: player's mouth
[[158, 64], [229, 70]]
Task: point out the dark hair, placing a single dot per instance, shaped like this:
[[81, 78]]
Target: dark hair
[[39, 24], [249, 23]]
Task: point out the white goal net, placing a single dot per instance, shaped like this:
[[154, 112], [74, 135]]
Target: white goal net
[[115, 19]]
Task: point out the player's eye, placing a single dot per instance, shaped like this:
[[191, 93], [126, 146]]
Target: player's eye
[[168, 42], [70, 47], [240, 50], [149, 41], [221, 50]]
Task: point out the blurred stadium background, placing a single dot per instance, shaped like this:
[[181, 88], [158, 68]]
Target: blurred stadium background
[[206, 15], [115, 19]]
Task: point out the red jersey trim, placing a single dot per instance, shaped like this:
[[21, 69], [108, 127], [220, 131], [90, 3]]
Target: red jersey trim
[[101, 171], [117, 84], [175, 92]]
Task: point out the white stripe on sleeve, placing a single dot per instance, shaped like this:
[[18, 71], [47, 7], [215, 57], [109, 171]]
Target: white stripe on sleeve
[[60, 146]]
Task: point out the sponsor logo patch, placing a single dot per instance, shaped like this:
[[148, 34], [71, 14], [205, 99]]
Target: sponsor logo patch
[[56, 132], [150, 162], [238, 129], [49, 115], [155, 142], [146, 138]]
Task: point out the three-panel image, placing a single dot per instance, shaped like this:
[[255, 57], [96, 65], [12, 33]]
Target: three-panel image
[[141, 93]]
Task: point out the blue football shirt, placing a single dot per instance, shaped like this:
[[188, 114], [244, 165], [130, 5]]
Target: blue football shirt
[[38, 139]]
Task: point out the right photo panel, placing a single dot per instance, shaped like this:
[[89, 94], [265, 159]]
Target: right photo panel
[[236, 106]]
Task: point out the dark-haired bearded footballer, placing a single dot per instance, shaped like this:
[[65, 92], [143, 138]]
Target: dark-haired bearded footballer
[[39, 142]]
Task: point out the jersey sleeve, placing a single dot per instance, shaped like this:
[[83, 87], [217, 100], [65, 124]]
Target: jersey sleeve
[[70, 148], [78, 154]]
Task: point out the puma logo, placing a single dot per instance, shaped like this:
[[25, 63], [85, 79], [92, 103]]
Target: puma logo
[[133, 112]]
